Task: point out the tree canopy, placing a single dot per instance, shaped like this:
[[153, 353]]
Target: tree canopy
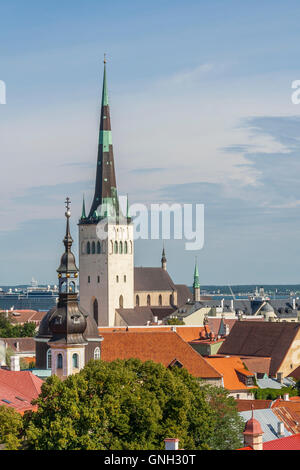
[[11, 428], [175, 321], [128, 404], [10, 330]]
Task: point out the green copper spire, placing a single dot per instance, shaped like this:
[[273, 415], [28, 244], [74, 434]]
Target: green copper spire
[[83, 214], [104, 89], [105, 202], [196, 284]]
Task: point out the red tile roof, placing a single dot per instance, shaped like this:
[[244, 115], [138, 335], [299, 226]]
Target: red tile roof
[[19, 389], [23, 316], [248, 405], [162, 347], [285, 443]]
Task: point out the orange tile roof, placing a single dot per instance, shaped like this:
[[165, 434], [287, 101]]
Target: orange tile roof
[[162, 347], [19, 389], [188, 333], [229, 368]]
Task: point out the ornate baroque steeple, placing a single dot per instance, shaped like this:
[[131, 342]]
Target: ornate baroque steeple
[[67, 322], [105, 202]]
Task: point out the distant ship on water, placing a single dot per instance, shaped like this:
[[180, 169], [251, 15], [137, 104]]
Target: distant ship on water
[[34, 297]]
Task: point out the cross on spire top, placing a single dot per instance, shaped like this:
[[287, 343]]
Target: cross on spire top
[[67, 203]]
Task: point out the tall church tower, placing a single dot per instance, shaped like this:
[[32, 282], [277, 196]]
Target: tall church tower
[[105, 237]]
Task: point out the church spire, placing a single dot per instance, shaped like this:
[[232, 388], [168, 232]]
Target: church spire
[[196, 284], [83, 213], [164, 260], [105, 202]]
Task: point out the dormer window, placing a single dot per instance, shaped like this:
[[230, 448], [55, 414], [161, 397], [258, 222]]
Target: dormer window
[[58, 320]]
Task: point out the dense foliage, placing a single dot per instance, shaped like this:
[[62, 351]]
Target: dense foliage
[[11, 330], [175, 321], [11, 427], [131, 405], [273, 393]]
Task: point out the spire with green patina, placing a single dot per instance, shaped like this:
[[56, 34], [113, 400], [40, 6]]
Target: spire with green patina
[[105, 202], [196, 284], [83, 213]]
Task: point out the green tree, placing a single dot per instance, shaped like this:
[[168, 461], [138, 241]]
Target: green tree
[[10, 330], [229, 425], [127, 405], [11, 427], [175, 321]]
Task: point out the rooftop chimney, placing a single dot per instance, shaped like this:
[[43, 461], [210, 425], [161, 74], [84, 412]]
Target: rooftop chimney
[[171, 444], [222, 304], [280, 429], [280, 377], [15, 363], [173, 328], [155, 319], [294, 304], [286, 397]]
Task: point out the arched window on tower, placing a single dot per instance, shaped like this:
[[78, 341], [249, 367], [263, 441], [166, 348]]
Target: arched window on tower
[[171, 299], [59, 364], [160, 300], [49, 359], [93, 248], [97, 354], [95, 310], [75, 361], [116, 247], [137, 300], [121, 248], [98, 248], [148, 300], [88, 248], [125, 248], [121, 301]]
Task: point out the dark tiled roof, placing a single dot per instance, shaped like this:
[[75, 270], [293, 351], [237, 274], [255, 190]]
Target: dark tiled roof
[[183, 294], [25, 344], [152, 279], [137, 316], [262, 339]]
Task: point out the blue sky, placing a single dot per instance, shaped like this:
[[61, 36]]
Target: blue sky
[[200, 96]]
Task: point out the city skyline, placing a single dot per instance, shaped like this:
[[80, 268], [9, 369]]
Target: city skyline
[[200, 118]]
